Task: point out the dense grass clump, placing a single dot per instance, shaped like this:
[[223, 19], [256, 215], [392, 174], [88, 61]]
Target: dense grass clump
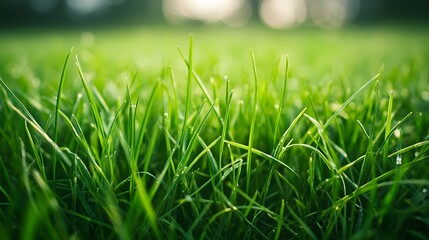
[[218, 146]]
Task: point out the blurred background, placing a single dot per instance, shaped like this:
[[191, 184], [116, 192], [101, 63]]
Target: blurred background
[[278, 14]]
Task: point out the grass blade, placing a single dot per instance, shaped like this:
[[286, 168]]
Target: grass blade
[[328, 122], [56, 114], [252, 124], [26, 115]]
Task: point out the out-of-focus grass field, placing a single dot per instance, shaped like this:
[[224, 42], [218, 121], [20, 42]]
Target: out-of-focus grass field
[[318, 56], [138, 147]]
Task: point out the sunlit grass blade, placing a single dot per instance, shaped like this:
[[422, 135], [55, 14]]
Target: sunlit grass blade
[[188, 96], [328, 122], [282, 100], [94, 109], [252, 124], [278, 151], [57, 108], [409, 148], [392, 131], [183, 163], [265, 155], [225, 121], [143, 124], [200, 83]]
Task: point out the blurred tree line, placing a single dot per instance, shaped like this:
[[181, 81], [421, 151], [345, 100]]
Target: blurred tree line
[[15, 13]]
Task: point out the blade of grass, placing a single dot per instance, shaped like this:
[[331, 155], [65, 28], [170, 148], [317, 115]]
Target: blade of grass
[[265, 155], [389, 119], [143, 125], [282, 100], [200, 84], [302, 223], [280, 221], [353, 96], [188, 96], [26, 115], [225, 122], [57, 108], [252, 124], [36, 153], [94, 109]]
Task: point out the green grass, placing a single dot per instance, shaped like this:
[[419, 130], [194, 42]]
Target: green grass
[[312, 135]]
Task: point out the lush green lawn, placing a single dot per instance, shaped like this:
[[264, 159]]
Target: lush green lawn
[[129, 137]]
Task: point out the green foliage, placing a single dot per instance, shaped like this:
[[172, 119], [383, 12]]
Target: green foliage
[[315, 149]]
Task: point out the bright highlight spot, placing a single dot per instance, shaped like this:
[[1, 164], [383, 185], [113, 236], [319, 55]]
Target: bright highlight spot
[[397, 133], [323, 13], [399, 159], [233, 12], [283, 13]]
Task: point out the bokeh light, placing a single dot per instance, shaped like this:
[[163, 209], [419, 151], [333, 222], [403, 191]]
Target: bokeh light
[[283, 13], [232, 12], [276, 14]]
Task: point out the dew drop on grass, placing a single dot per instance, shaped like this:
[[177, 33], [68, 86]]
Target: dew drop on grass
[[399, 159]]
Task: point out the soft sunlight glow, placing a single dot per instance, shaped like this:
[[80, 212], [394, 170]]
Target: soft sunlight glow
[[283, 13], [235, 12], [323, 13]]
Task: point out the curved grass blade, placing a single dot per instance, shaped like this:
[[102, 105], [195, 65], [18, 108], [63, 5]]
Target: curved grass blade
[[265, 155], [94, 109], [56, 113], [282, 99]]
